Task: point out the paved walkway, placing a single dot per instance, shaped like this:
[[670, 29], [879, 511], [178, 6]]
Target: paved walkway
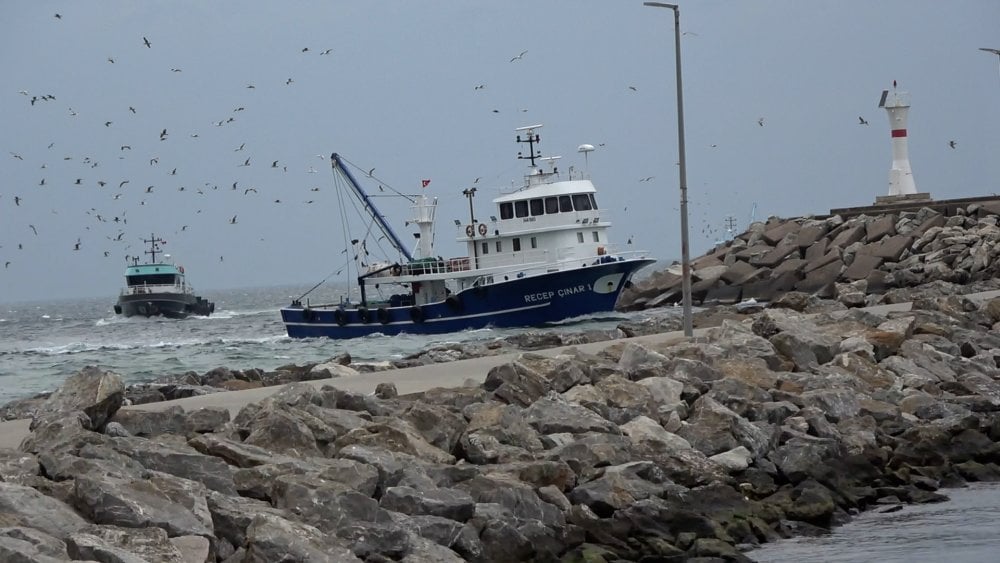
[[407, 380]]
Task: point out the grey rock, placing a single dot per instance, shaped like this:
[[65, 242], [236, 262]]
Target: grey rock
[[447, 503], [26, 507]]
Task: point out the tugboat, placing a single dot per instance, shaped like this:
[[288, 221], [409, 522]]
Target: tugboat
[[159, 288], [546, 259]]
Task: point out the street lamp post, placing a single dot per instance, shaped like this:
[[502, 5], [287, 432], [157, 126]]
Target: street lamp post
[[685, 252]]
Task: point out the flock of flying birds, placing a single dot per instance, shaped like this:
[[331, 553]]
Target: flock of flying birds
[[109, 234]]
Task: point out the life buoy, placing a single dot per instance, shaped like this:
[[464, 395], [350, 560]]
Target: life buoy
[[383, 315], [417, 314], [482, 229], [454, 302], [469, 230], [364, 315], [340, 317]]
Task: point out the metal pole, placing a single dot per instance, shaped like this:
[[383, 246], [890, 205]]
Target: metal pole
[[685, 252]]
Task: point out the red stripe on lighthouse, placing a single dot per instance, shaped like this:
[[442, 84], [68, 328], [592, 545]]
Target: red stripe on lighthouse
[[899, 132]]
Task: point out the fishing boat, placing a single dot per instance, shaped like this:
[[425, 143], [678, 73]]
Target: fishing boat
[[159, 288], [544, 257]]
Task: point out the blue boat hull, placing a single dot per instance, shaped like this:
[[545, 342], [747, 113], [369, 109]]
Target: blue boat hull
[[528, 301]]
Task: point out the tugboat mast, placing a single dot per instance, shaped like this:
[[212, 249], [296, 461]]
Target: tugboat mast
[[154, 247]]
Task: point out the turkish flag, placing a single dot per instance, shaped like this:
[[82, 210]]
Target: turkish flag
[[423, 183]]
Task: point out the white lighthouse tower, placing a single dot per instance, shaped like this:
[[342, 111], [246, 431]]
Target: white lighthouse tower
[[897, 105]]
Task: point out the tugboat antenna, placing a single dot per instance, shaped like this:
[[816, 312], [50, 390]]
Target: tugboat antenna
[[531, 139], [153, 243]]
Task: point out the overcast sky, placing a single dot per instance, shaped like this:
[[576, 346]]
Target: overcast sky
[[393, 86]]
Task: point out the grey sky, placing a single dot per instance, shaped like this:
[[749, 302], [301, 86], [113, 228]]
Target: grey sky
[[397, 92]]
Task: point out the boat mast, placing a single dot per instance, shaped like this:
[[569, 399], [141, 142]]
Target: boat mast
[[370, 207], [153, 247], [531, 139]]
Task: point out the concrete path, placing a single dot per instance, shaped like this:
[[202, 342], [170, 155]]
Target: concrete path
[[407, 380]]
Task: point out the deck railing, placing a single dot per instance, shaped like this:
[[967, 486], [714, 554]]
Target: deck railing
[[162, 288]]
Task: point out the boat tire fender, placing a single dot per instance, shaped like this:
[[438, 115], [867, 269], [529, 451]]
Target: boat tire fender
[[340, 317], [364, 315], [454, 302], [417, 314], [383, 315], [118, 309]]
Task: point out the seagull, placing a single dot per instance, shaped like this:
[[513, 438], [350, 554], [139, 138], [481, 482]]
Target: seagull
[[17, 201], [274, 164], [231, 222], [175, 70], [163, 134], [77, 245], [111, 60], [517, 58], [6, 264], [862, 121], [42, 183], [154, 160], [146, 43], [250, 86], [240, 147], [248, 190], [632, 88], [246, 162], [108, 123], [647, 178], [988, 50], [17, 156], [149, 189], [480, 87], [33, 229], [131, 109], [327, 52], [305, 49], [126, 147], [760, 121], [370, 172], [952, 144], [71, 112], [289, 81]]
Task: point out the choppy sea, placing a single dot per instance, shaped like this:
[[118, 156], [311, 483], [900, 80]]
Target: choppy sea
[[41, 343]]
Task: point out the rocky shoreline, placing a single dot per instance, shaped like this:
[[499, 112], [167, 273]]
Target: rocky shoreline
[[773, 424]]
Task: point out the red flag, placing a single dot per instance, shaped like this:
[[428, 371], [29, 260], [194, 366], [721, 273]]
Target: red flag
[[423, 183]]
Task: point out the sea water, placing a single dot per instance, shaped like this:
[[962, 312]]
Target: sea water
[[42, 343]]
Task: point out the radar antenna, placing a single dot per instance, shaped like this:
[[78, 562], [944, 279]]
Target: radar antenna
[[531, 138]]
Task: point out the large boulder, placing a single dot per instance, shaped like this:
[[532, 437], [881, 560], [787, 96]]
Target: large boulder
[[96, 392]]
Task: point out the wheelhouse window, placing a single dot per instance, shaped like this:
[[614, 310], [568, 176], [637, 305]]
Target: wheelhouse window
[[151, 279], [581, 202], [593, 202], [537, 207], [517, 244], [597, 238], [579, 237], [565, 204], [507, 210], [521, 208], [551, 205]]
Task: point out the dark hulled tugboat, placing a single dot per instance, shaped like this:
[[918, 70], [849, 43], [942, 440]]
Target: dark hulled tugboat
[[158, 288]]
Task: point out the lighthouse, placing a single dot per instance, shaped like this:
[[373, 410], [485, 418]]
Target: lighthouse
[[897, 105]]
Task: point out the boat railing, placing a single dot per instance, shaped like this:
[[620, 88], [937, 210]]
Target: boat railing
[[159, 288]]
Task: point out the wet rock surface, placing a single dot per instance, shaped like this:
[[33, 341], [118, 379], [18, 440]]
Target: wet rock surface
[[772, 424]]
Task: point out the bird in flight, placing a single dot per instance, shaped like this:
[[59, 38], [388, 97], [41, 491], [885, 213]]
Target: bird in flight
[[58, 16], [33, 229], [518, 57], [232, 222], [480, 87], [289, 81], [988, 50], [146, 43], [111, 60], [240, 147], [647, 178], [274, 164], [77, 245], [370, 172], [760, 121], [862, 121], [952, 144], [327, 52], [17, 201], [163, 135], [632, 88], [246, 162]]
